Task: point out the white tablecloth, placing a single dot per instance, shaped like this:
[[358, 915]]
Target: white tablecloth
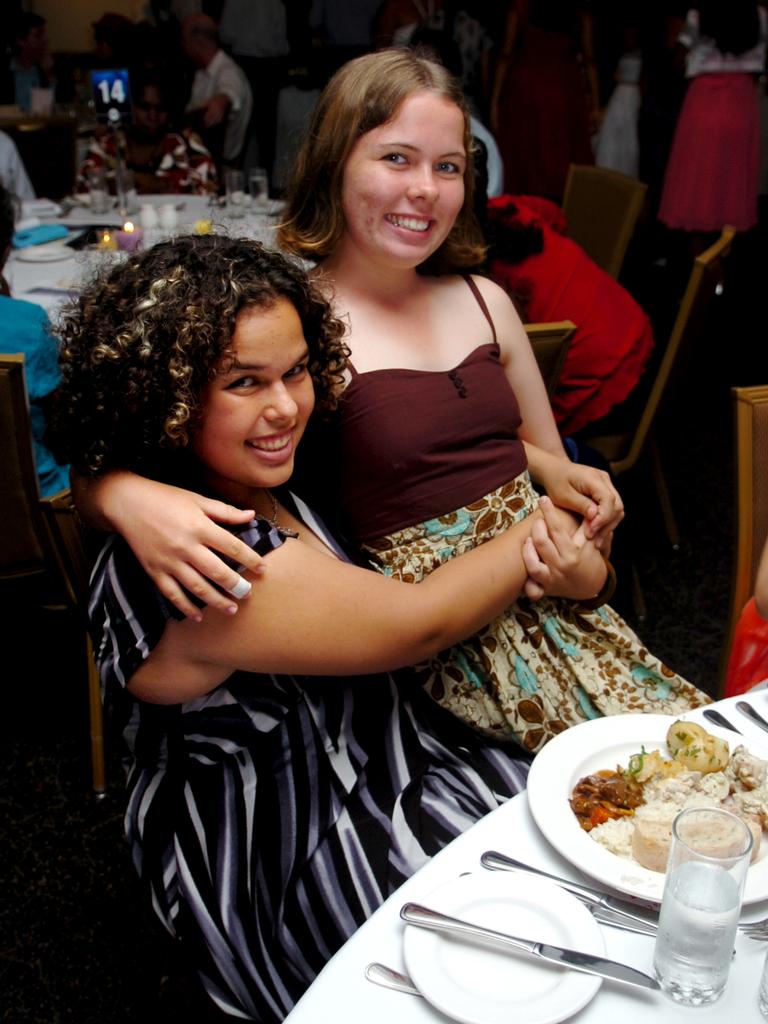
[[342, 995], [51, 284]]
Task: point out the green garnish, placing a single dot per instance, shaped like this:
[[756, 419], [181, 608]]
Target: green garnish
[[636, 761]]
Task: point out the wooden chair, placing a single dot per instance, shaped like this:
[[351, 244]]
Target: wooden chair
[[601, 208], [42, 555], [624, 450], [550, 343], [751, 408]]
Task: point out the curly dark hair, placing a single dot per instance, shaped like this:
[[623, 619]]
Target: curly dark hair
[[141, 343]]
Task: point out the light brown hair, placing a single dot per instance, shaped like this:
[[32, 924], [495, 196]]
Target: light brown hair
[[362, 95]]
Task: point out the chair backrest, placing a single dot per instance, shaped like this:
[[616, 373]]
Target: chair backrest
[[23, 538], [68, 543], [623, 450], [601, 207], [550, 343], [42, 537], [751, 407], [705, 280]]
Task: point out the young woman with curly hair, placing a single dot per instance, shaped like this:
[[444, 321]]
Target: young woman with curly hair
[[269, 813]]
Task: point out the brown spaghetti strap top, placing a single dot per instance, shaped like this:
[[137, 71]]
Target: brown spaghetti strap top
[[481, 303], [414, 444]]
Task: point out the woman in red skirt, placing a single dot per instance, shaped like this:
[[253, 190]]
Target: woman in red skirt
[[712, 174]]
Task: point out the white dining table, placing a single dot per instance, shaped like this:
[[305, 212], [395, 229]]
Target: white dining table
[[342, 994], [51, 284]]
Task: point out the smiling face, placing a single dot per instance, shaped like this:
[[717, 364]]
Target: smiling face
[[403, 183], [256, 409]]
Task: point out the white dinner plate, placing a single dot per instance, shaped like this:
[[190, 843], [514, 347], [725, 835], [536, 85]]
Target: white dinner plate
[[477, 985], [606, 743], [48, 252]]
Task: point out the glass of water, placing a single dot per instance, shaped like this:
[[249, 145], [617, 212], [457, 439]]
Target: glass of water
[[762, 995], [234, 189], [258, 184], [707, 868]]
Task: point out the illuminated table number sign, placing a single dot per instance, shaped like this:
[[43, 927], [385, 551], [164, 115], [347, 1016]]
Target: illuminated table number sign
[[111, 96]]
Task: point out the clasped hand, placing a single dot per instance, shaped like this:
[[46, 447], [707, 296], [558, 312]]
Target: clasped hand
[[559, 557], [585, 490]]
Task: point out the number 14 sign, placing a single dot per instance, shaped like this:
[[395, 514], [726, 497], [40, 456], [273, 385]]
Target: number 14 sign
[[111, 95]]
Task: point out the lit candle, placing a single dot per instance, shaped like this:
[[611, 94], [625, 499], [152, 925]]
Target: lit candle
[[130, 238], [107, 241]]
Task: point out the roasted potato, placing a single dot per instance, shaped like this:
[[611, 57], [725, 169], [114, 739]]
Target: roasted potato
[[697, 749]]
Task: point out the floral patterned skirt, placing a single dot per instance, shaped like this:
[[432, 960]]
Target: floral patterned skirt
[[541, 666]]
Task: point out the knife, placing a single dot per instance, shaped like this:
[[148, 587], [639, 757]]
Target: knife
[[592, 897], [751, 714], [586, 963]]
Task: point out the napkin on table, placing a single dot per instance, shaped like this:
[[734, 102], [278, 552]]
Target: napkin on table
[[38, 235]]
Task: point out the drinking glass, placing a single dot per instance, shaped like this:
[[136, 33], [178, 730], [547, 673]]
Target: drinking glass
[[234, 190], [98, 191], [125, 186], [258, 185], [762, 995], [707, 868]]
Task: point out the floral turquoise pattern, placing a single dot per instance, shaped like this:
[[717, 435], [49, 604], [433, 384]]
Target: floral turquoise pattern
[[541, 666]]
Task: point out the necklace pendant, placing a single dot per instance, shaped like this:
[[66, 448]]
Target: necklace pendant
[[288, 532]]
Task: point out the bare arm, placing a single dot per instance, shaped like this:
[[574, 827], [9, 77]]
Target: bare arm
[[172, 533], [582, 489], [312, 614]]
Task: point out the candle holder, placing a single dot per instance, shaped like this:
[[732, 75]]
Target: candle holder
[[107, 242], [130, 238]]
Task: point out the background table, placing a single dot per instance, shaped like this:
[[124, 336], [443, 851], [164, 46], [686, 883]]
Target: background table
[[51, 284], [341, 993]]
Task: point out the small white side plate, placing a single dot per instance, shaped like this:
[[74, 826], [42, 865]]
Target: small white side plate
[[49, 252], [477, 985]]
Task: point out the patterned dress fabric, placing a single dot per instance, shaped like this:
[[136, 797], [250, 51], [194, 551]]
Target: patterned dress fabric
[[270, 818], [541, 666], [182, 160]]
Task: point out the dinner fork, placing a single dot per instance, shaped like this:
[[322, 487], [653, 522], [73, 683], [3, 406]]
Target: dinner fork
[[755, 929]]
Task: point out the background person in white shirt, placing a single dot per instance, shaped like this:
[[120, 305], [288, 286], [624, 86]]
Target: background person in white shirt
[[13, 173], [220, 90]]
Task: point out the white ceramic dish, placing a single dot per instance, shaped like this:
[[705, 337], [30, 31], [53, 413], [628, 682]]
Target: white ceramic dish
[[606, 743], [48, 252], [477, 985]]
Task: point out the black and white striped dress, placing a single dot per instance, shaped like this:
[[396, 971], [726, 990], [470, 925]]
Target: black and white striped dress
[[270, 818]]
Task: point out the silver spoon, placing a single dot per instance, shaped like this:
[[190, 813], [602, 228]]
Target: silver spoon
[[388, 977], [749, 711]]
